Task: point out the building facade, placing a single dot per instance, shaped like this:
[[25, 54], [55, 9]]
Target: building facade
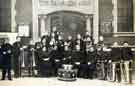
[[112, 19], [48, 14]]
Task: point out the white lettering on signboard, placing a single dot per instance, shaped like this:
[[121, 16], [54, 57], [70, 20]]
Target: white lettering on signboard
[[64, 2]]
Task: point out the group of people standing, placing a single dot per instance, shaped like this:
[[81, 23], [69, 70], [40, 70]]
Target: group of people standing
[[52, 51], [122, 59]]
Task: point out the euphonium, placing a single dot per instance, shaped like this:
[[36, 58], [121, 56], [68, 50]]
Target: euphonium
[[23, 64], [33, 58]]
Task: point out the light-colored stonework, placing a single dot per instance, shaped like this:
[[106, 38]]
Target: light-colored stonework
[[44, 7]]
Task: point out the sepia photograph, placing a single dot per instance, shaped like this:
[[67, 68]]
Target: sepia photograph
[[67, 42]]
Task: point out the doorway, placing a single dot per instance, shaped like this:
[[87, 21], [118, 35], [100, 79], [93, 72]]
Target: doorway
[[69, 23]]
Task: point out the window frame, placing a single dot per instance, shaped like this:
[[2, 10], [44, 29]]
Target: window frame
[[115, 22]]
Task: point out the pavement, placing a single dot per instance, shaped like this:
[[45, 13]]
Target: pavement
[[53, 81]]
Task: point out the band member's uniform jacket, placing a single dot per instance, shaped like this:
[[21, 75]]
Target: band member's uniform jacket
[[55, 60], [127, 53], [6, 60], [79, 42], [70, 44], [38, 56], [67, 57], [116, 58], [16, 58], [45, 63], [115, 54]]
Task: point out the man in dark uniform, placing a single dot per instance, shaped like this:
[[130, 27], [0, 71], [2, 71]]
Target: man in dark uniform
[[60, 45], [45, 39], [91, 60], [127, 57], [45, 63], [55, 32], [103, 59], [60, 50], [77, 59], [16, 57], [86, 45], [6, 59], [1, 54], [84, 66], [70, 42], [116, 58], [52, 41], [60, 42], [30, 62], [54, 58], [79, 41], [88, 35], [38, 55], [67, 54]]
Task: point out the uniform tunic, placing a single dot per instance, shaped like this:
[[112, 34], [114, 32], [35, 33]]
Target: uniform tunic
[[116, 54], [126, 53], [6, 55]]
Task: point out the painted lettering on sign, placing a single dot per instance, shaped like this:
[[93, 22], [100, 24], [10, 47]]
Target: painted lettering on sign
[[65, 2]]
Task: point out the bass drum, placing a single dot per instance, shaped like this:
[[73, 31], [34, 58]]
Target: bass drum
[[67, 75]]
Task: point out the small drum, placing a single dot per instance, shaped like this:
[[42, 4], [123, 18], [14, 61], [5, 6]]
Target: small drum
[[67, 74]]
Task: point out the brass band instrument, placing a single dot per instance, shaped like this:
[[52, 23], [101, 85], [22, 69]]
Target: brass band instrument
[[23, 64], [33, 57]]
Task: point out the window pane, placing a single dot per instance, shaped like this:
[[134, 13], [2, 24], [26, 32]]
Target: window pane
[[5, 15], [125, 15]]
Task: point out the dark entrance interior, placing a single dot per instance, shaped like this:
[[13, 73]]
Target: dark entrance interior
[[69, 23]]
